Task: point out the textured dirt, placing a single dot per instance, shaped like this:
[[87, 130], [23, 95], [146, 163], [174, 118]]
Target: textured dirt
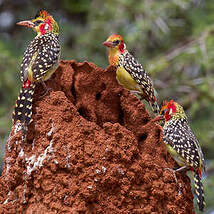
[[92, 148]]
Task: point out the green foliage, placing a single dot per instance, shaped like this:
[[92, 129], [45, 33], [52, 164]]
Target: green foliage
[[76, 7], [172, 39]]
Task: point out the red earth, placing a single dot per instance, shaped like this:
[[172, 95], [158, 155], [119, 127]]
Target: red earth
[[91, 148]]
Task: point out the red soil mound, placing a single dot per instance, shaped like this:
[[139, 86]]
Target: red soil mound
[[92, 148]]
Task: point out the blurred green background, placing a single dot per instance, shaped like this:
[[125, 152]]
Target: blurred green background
[[174, 40]]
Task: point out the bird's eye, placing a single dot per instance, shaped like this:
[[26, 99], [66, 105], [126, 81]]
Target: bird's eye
[[37, 22], [116, 42]]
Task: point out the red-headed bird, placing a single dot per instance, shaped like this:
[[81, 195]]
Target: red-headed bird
[[183, 145], [130, 74], [39, 63]]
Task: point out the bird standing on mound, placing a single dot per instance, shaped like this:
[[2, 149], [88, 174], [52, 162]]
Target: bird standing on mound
[[130, 74], [183, 145], [39, 62]]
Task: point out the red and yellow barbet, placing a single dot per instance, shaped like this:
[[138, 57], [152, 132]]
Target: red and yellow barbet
[[130, 74], [183, 145], [39, 63]]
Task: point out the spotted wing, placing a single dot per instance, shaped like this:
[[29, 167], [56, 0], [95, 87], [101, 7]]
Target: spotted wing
[[29, 56], [139, 74], [180, 137], [42, 53]]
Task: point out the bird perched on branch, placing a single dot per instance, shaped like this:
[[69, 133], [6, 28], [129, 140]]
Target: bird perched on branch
[[130, 74], [183, 145], [39, 63]]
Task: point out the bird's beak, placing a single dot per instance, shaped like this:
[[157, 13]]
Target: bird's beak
[[163, 111], [108, 44], [27, 23]]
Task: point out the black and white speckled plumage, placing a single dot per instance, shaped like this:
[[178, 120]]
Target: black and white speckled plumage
[[46, 48], [39, 62], [23, 109], [185, 149], [138, 73], [179, 136]]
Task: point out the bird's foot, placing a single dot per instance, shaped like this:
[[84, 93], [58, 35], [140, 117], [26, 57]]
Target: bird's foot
[[176, 180], [45, 93], [46, 89], [174, 174], [135, 92], [138, 94]]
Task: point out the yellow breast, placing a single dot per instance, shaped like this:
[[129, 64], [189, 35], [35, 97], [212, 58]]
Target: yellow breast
[[30, 72], [125, 79], [181, 161], [50, 72]]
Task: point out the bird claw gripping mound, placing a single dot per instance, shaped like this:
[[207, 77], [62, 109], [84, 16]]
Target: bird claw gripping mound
[[183, 145], [39, 63], [130, 74]]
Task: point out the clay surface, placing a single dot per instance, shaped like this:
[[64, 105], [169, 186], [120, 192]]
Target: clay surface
[[92, 148]]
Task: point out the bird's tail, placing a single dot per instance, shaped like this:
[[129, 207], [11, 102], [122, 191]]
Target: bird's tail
[[199, 191], [23, 109]]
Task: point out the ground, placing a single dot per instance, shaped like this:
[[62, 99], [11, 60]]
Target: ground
[[92, 148]]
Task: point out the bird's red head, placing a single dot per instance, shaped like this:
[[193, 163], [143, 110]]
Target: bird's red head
[[115, 41], [42, 23], [115, 46], [168, 109]]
